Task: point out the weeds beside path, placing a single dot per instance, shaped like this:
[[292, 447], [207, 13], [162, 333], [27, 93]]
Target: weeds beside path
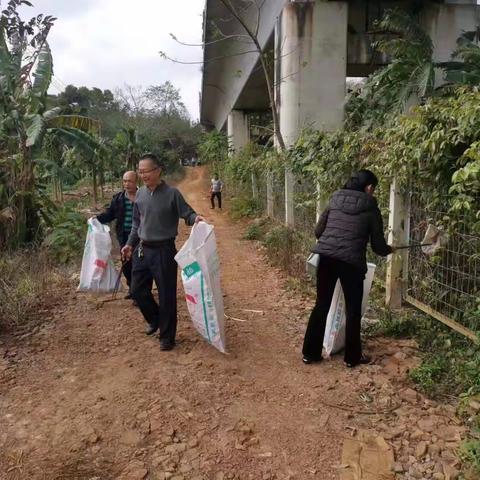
[[89, 396]]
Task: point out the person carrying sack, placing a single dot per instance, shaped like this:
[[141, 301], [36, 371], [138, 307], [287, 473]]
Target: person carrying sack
[[121, 210], [151, 245], [350, 221]]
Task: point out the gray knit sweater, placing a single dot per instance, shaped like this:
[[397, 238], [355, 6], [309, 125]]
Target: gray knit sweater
[[156, 214]]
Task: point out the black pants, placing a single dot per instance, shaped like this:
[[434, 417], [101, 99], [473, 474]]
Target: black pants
[[351, 278], [127, 268], [219, 198], [157, 264]]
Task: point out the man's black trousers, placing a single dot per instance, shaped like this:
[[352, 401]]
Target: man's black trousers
[[351, 278], [219, 198], [157, 264], [127, 267]]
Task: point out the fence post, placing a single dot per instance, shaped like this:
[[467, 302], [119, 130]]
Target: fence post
[[270, 194], [398, 226], [254, 186], [321, 202], [289, 201]]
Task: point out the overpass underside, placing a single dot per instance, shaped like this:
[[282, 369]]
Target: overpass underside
[[310, 48]]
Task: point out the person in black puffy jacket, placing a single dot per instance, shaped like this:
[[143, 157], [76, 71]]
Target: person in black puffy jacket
[[350, 221]]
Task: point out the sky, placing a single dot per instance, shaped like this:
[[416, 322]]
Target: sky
[[110, 43]]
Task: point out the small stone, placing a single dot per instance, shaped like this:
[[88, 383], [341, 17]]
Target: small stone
[[450, 434], [399, 357], [409, 395], [451, 473], [193, 443], [474, 405], [398, 467], [434, 451], [176, 448], [427, 424], [417, 434], [414, 473], [421, 450]]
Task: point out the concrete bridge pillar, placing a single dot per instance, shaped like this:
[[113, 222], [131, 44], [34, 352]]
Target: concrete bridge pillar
[[445, 23], [238, 132], [310, 72]]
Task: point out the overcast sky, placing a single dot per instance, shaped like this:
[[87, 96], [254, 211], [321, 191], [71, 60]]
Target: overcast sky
[[107, 43]]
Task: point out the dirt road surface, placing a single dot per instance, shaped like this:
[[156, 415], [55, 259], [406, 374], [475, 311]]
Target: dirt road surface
[[91, 397]]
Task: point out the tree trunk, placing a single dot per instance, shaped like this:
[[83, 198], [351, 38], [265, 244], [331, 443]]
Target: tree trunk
[[94, 185]]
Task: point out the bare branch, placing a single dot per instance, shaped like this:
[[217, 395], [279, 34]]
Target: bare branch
[[206, 44], [166, 57]]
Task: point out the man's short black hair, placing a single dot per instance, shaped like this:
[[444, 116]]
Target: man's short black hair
[[155, 160]]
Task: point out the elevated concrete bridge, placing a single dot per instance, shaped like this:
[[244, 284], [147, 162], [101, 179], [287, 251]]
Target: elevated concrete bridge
[[312, 47]]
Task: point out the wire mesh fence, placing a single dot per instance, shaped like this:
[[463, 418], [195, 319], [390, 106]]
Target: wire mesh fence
[[446, 284], [305, 205], [278, 196], [261, 182]]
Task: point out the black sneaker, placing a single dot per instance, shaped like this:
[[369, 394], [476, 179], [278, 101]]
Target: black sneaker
[[151, 329], [166, 346], [308, 360], [364, 360]]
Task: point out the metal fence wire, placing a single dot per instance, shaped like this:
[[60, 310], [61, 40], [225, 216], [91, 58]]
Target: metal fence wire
[[305, 205], [447, 284], [278, 183]]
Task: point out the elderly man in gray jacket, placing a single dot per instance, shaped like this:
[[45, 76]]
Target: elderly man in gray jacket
[[151, 245]]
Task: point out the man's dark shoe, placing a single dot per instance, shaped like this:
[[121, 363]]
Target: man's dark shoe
[[151, 329], [128, 296], [166, 346], [364, 360], [308, 360]]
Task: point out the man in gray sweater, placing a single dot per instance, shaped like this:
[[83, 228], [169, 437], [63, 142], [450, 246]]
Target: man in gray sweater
[[151, 245]]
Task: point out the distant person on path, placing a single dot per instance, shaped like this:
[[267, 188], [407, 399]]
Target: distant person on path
[[351, 219], [121, 210], [216, 191], [151, 245]]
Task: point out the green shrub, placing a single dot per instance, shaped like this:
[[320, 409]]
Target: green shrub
[[66, 236], [254, 232], [241, 207], [257, 229], [470, 454], [287, 249]]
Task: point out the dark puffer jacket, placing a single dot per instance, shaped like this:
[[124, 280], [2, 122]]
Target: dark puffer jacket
[[351, 219]]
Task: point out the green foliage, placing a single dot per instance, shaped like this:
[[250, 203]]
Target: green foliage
[[470, 454], [287, 248], [465, 70], [397, 324], [410, 73], [450, 364], [254, 232], [257, 229], [66, 236], [213, 148], [243, 206]]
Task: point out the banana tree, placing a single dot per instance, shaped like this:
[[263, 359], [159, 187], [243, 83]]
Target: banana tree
[[26, 69]]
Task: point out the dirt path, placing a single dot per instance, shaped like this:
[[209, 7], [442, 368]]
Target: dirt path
[[91, 397]]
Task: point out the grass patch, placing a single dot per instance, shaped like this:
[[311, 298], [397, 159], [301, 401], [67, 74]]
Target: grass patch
[[28, 281], [241, 207], [258, 229]]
